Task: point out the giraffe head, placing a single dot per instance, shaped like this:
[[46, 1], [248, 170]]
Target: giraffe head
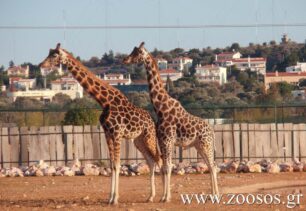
[[56, 57], [137, 56]]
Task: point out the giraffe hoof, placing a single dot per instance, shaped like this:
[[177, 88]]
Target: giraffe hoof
[[150, 199], [164, 200], [113, 202]]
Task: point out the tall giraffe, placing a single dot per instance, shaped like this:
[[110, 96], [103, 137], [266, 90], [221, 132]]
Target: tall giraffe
[[120, 119], [175, 125]]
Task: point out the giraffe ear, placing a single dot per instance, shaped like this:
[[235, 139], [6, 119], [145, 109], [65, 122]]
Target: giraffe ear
[[142, 45], [58, 46]]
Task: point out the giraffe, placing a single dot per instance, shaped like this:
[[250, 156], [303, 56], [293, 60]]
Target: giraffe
[[120, 119], [175, 125]]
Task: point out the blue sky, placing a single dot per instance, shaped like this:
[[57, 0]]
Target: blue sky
[[31, 45]]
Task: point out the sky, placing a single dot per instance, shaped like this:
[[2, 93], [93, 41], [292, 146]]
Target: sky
[[32, 45]]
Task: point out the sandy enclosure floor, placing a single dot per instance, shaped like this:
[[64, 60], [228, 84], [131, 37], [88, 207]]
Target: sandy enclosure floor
[[91, 193]]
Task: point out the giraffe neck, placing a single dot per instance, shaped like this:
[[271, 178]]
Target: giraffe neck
[[101, 91], [157, 91]]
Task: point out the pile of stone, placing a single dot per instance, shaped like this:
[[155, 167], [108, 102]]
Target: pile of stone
[[75, 168]]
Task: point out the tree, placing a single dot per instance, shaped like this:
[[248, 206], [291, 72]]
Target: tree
[[4, 79], [107, 59], [27, 103], [235, 46], [81, 116], [285, 90], [61, 99], [11, 63]]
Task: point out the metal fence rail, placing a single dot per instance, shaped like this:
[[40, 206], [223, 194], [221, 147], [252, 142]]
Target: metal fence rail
[[217, 114]]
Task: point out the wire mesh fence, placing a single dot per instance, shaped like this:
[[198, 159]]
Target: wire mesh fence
[[215, 115]]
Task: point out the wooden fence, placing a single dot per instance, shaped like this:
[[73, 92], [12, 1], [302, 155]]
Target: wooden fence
[[59, 144]]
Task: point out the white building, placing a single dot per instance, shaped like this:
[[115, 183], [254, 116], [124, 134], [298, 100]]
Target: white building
[[22, 83], [227, 56], [181, 63], [299, 67], [162, 63], [46, 71], [117, 79], [65, 85], [171, 73], [257, 64], [22, 71], [211, 73]]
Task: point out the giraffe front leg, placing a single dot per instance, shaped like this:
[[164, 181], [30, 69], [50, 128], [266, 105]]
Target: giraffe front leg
[[152, 181], [110, 145], [117, 171], [166, 148]]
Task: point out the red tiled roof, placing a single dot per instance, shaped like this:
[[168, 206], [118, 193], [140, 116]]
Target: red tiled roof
[[161, 59], [140, 82], [182, 57], [257, 59], [167, 71], [116, 81], [16, 68], [282, 74], [210, 66], [226, 53], [113, 74], [63, 82]]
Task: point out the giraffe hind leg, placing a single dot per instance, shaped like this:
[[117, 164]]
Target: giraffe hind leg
[[207, 153], [140, 145]]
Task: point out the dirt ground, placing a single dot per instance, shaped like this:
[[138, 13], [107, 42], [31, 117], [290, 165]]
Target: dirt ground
[[91, 193]]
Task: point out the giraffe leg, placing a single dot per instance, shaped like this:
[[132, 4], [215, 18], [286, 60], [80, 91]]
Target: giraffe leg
[[139, 143], [166, 148], [117, 170], [207, 155], [110, 145]]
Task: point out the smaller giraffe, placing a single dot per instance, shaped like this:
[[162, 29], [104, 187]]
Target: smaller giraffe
[[175, 125], [120, 119]]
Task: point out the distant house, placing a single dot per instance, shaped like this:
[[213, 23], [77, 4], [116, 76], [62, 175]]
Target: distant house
[[227, 56], [22, 83], [117, 79], [162, 63], [46, 71], [181, 63], [289, 77], [211, 73], [299, 67], [257, 64], [22, 71], [171, 73], [65, 85]]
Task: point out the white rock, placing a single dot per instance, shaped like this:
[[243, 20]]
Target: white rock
[[273, 168], [286, 167], [49, 171], [39, 173], [201, 167], [256, 168], [142, 168], [297, 166], [90, 170], [229, 167], [42, 165]]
